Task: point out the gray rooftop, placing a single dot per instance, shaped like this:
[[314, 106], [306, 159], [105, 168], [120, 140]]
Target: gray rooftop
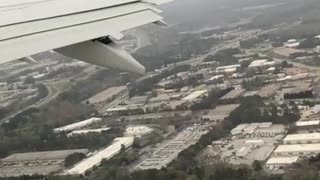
[[234, 94], [44, 155]]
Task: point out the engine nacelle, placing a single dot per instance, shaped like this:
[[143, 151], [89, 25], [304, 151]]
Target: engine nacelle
[[103, 53]]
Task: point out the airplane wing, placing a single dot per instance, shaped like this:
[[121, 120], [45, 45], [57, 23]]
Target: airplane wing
[[80, 29]]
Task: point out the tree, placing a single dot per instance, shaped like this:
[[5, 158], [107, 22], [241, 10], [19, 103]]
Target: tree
[[123, 148], [29, 80], [43, 90], [136, 143], [256, 165], [73, 159], [285, 64], [309, 43]]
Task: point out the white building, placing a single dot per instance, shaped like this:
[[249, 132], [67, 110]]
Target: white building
[[292, 41], [86, 131], [309, 138], [77, 125], [307, 126], [239, 129], [223, 69], [195, 95], [243, 152], [307, 123], [272, 131], [255, 142], [292, 45], [84, 166], [261, 63], [138, 131], [279, 162], [298, 150], [316, 109]]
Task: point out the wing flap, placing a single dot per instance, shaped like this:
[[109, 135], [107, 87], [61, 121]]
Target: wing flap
[[31, 11], [28, 28], [24, 46]]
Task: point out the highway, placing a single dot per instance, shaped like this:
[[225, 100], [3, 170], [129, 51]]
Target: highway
[[54, 90]]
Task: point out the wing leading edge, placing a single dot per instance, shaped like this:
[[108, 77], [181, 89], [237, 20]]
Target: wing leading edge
[[76, 34]]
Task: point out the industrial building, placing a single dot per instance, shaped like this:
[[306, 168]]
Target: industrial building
[[249, 142], [77, 125], [137, 131], [85, 165], [138, 100], [222, 69], [107, 95], [275, 163], [285, 52], [261, 63], [125, 109], [220, 112], [196, 95], [309, 138], [274, 130], [35, 163], [250, 93], [154, 116], [160, 98], [233, 95], [169, 150], [86, 131], [307, 125], [298, 150], [242, 150], [268, 90], [239, 129], [265, 129]]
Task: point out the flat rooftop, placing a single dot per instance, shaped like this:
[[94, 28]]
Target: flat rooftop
[[222, 112], [194, 95], [43, 155], [107, 153], [298, 148], [234, 94], [225, 109], [41, 169], [138, 131], [169, 150], [154, 115], [77, 125], [282, 160], [283, 51], [86, 131], [269, 90], [106, 94], [249, 93], [306, 136], [307, 123]]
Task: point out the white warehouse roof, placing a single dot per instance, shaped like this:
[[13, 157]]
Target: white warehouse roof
[[282, 160], [308, 123], [298, 148], [307, 136], [194, 95], [138, 130], [106, 153], [77, 125], [85, 131], [262, 62], [228, 67]]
